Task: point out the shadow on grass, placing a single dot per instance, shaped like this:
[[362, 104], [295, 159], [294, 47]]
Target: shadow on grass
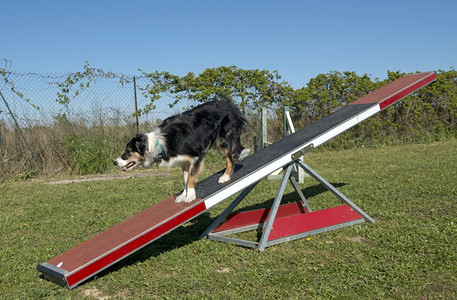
[[184, 235]]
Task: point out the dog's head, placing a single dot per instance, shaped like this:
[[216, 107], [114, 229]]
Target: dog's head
[[134, 153]]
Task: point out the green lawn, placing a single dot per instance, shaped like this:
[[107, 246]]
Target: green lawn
[[410, 252]]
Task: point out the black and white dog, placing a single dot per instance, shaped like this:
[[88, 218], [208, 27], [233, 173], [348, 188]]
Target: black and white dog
[[184, 139]]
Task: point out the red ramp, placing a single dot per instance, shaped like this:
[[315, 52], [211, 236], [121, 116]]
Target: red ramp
[[105, 249], [91, 257]]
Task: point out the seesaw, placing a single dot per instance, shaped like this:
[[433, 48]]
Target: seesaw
[[280, 222]]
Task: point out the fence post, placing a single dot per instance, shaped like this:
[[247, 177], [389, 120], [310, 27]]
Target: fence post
[[261, 138], [136, 105], [285, 111], [22, 134]]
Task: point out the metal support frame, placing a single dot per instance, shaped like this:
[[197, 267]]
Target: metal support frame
[[335, 191], [222, 217], [297, 220], [274, 208], [261, 141]]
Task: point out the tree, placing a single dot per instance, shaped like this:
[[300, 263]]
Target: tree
[[250, 88], [442, 97], [327, 92]]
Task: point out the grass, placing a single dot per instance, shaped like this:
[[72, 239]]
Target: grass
[[410, 252]]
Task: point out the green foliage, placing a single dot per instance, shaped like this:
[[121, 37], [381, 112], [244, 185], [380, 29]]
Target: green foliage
[[427, 115], [328, 92], [160, 82], [77, 82], [250, 88], [89, 154], [4, 74], [26, 175]]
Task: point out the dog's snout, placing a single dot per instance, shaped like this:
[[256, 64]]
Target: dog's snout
[[115, 162]]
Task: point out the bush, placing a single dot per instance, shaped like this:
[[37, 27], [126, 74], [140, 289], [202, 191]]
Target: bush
[[89, 154]]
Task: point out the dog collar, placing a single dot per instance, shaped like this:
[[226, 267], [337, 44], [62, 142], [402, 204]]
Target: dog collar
[[160, 149]]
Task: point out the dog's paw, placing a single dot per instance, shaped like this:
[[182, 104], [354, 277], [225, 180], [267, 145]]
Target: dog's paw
[[186, 197], [243, 154], [182, 197], [224, 178], [191, 196]]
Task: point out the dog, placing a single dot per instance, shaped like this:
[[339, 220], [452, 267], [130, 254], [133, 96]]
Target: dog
[[184, 139]]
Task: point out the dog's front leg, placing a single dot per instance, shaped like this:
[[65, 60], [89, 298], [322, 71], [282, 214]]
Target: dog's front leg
[[189, 193], [185, 172], [185, 166]]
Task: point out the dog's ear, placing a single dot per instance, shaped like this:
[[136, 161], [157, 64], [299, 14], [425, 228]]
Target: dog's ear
[[141, 143]]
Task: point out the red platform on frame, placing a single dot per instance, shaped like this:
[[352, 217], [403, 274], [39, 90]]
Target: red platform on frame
[[297, 224], [291, 219], [259, 216]]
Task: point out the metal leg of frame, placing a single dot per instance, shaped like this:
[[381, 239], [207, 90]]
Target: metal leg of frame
[[274, 208], [219, 220], [335, 191], [294, 183]]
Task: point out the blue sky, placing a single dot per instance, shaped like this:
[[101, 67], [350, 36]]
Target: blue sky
[[299, 39]]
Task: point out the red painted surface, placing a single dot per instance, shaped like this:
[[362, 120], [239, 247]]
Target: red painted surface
[[397, 89], [408, 91], [132, 246], [311, 221], [97, 253], [258, 216]]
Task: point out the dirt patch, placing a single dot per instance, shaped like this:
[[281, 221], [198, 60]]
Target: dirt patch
[[357, 239], [93, 292], [105, 177], [224, 270]]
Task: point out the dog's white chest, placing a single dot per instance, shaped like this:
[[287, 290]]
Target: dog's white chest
[[175, 161]]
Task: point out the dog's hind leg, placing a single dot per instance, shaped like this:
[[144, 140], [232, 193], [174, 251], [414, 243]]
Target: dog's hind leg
[[228, 170], [227, 153], [240, 152], [243, 154]]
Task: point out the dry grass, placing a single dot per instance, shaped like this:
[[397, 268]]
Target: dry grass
[[64, 148], [82, 147]]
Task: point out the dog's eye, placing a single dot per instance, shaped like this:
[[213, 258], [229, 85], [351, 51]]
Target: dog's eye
[[140, 146], [125, 155]]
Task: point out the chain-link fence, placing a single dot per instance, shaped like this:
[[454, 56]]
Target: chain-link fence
[[33, 99], [52, 122], [77, 122]]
